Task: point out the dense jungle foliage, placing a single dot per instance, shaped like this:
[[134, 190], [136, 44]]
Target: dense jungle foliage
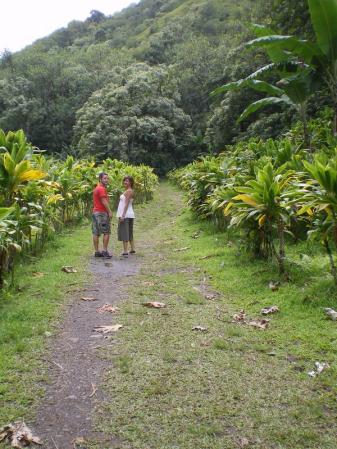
[[270, 188], [136, 85]]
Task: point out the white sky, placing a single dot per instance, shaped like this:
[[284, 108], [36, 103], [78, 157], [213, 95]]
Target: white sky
[[24, 21]]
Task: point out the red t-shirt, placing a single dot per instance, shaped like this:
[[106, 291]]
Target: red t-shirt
[[99, 193]]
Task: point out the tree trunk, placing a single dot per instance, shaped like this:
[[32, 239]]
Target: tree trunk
[[332, 262], [304, 119]]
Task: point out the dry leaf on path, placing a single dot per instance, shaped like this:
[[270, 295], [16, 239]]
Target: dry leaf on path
[[107, 329], [332, 314], [148, 283], [243, 442], [260, 324], [93, 390], [210, 297], [274, 285], [269, 310], [185, 248], [107, 308], [239, 317], [79, 441], [37, 274], [19, 435], [199, 328], [69, 269], [88, 298], [154, 304], [207, 257], [319, 367]]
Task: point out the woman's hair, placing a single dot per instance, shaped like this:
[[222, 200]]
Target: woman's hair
[[100, 175], [130, 179]]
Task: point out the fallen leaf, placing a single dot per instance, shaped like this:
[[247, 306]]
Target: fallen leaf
[[69, 269], [239, 317], [269, 310], [332, 314], [185, 248], [243, 442], [207, 257], [107, 329], [260, 324], [19, 435], [319, 367], [79, 441], [199, 328], [88, 298], [154, 304], [148, 283], [274, 285], [107, 308], [37, 274], [210, 297], [93, 390]]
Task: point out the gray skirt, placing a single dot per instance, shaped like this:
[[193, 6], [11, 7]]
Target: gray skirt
[[125, 230]]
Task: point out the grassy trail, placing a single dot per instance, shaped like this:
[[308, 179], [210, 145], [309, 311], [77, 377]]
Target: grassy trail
[[229, 386]]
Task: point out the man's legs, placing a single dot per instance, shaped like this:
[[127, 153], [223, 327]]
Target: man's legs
[[95, 239], [106, 238]]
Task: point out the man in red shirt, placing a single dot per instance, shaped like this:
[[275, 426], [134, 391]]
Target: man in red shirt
[[101, 215]]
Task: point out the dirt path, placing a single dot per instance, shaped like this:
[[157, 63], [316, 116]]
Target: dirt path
[[76, 365], [186, 375]]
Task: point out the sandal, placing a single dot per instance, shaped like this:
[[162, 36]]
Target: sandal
[[125, 254], [106, 255], [98, 254], [132, 252]]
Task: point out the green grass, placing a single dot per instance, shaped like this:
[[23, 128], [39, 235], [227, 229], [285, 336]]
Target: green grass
[[29, 315], [174, 387]]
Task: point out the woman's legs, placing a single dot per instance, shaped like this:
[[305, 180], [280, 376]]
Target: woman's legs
[[125, 246]]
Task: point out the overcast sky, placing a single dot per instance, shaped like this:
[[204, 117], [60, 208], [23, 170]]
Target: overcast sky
[[24, 21]]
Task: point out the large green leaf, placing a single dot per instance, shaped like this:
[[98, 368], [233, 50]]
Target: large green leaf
[[269, 101], [324, 19], [299, 86], [303, 49], [5, 211], [261, 86], [275, 53]]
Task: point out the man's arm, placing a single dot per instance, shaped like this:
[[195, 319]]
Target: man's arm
[[105, 203]]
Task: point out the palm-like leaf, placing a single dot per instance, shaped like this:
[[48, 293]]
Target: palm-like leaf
[[269, 101], [323, 16], [261, 86]]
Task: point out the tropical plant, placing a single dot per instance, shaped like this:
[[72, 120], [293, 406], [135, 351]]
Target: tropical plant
[[321, 55], [297, 82], [15, 164], [316, 197]]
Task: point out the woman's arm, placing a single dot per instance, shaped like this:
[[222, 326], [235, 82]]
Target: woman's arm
[[128, 195]]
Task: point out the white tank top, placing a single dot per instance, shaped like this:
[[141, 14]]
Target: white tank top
[[121, 206]]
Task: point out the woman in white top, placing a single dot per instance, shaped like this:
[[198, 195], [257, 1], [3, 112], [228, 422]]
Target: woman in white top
[[126, 217]]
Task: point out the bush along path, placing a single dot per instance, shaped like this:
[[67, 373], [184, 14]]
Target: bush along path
[[194, 363]]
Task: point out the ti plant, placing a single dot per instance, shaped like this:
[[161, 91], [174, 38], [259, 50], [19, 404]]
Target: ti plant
[[260, 205], [317, 199]]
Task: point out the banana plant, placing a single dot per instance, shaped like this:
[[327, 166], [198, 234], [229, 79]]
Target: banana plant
[[296, 85], [320, 55]]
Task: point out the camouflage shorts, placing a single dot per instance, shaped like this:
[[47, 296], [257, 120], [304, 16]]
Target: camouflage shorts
[[100, 223]]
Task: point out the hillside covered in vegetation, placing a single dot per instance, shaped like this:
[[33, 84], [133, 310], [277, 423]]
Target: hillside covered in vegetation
[[136, 85]]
